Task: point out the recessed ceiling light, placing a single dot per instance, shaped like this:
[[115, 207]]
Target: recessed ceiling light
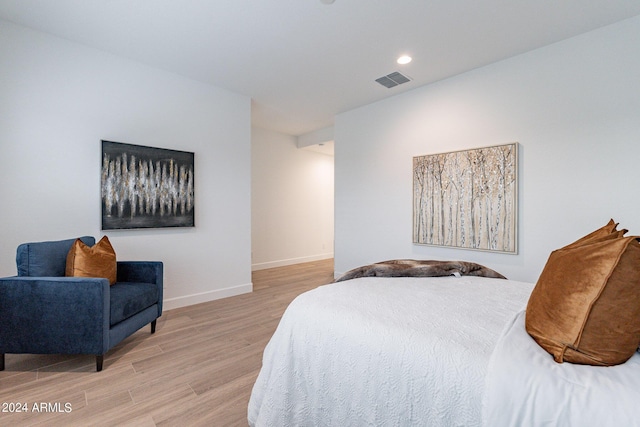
[[404, 59]]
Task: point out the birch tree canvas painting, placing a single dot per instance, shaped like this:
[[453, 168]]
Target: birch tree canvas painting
[[467, 199], [146, 187]]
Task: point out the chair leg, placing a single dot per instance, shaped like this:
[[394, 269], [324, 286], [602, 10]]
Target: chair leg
[[153, 326], [99, 361], [1, 361]]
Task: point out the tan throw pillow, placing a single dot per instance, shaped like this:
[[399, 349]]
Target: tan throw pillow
[[96, 261], [585, 307]]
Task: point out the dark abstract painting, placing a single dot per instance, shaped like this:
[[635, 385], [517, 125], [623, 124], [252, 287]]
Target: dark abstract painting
[[146, 187]]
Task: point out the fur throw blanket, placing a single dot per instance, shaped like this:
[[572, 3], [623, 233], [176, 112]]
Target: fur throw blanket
[[420, 268]]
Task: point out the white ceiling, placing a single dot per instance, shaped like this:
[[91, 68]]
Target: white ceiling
[[303, 61]]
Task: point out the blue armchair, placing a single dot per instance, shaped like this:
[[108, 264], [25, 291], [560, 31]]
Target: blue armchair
[[44, 312]]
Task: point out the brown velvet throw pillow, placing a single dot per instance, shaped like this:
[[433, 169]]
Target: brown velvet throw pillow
[[585, 307], [96, 261]]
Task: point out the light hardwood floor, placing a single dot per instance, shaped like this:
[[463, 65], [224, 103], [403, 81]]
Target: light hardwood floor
[[196, 370]]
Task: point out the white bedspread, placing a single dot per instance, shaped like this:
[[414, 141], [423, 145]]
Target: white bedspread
[[384, 352], [525, 387]]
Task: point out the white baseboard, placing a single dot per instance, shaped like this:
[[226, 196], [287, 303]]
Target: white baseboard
[[291, 261], [177, 302]]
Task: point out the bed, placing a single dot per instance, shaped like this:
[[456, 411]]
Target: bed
[[427, 351]]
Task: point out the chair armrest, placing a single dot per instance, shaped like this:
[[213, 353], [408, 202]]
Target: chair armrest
[[143, 272], [54, 315]]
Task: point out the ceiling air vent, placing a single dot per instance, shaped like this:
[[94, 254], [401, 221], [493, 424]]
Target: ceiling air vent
[[393, 79]]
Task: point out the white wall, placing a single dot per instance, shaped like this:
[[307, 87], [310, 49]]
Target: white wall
[[291, 203], [59, 99], [574, 107]]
